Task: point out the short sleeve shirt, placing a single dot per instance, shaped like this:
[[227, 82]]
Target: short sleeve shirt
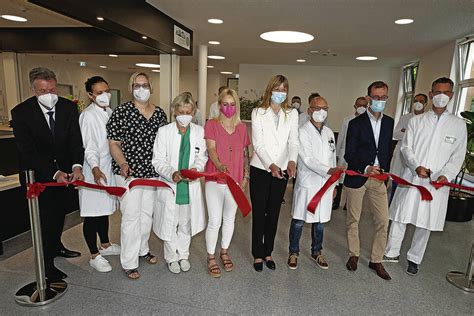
[[137, 136], [229, 147]]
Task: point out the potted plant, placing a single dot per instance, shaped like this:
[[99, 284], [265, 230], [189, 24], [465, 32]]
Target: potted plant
[[246, 107], [461, 204]]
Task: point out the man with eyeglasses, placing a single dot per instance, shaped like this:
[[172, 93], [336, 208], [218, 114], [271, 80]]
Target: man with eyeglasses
[[433, 149], [369, 151], [49, 142]]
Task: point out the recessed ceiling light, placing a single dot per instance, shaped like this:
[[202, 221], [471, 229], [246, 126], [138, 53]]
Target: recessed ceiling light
[[226, 72], [144, 37], [215, 57], [209, 66], [366, 58], [404, 21], [82, 64], [103, 67], [155, 70], [314, 51], [99, 18], [13, 18], [113, 55], [173, 49], [214, 42], [287, 37], [147, 65], [301, 60], [215, 21]]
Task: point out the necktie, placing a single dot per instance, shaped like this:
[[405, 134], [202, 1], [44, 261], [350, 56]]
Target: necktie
[[52, 123]]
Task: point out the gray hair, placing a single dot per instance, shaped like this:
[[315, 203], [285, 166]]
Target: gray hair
[[41, 73], [184, 99]]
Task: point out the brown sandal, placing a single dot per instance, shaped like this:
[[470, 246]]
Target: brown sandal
[[151, 259], [226, 262], [213, 269], [132, 274]]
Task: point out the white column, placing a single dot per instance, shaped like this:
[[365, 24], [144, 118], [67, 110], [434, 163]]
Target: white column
[[169, 81], [11, 83], [202, 81]]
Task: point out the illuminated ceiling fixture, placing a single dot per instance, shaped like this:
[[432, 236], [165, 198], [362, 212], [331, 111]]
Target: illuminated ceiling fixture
[[287, 37], [301, 60], [144, 37], [214, 42], [215, 57], [226, 72], [113, 55], [13, 18], [404, 21], [147, 65], [104, 67], [209, 66], [366, 58], [215, 21], [99, 18]]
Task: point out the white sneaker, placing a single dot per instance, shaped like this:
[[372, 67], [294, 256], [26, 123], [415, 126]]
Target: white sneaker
[[185, 265], [100, 264], [174, 267], [112, 250]]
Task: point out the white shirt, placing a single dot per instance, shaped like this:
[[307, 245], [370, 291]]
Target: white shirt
[[341, 139], [213, 111], [402, 124], [376, 123], [302, 118]]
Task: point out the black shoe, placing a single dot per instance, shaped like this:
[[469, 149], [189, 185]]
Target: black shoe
[[412, 268], [54, 274], [270, 264], [66, 253], [258, 266]]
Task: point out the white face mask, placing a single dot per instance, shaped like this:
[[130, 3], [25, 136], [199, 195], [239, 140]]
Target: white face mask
[[440, 100], [141, 94], [296, 105], [361, 110], [184, 120], [103, 99], [319, 116], [418, 106], [48, 100]]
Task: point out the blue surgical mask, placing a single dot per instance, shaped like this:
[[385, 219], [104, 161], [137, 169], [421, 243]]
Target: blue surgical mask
[[377, 105], [278, 97]]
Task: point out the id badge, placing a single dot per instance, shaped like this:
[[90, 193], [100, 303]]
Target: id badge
[[449, 139]]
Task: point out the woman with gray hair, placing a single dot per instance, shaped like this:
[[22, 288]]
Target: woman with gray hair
[[179, 145], [131, 131]]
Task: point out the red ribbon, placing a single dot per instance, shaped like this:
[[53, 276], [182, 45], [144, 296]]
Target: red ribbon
[[235, 190], [35, 189], [425, 194], [438, 185]]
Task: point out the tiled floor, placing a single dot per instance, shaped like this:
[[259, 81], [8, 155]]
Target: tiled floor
[[307, 290]]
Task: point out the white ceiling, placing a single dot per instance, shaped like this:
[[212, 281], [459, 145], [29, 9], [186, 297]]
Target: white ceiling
[[348, 28]]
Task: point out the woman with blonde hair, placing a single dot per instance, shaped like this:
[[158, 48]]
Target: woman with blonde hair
[[275, 142], [131, 131], [180, 215], [227, 145]]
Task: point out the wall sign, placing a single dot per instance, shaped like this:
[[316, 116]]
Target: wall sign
[[182, 38]]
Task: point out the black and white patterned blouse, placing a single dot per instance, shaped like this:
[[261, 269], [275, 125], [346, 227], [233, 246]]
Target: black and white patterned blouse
[[137, 136]]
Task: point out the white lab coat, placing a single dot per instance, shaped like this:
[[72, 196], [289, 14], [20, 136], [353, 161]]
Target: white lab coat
[[317, 155], [341, 140], [439, 145], [165, 161], [397, 164], [93, 202]]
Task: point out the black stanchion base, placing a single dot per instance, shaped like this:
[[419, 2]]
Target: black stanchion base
[[459, 280], [29, 295]]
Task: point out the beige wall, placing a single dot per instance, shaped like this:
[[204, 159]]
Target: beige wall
[[339, 85]]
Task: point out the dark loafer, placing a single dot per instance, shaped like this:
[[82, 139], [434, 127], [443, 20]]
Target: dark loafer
[[380, 270], [351, 264], [66, 253], [270, 264], [258, 266]]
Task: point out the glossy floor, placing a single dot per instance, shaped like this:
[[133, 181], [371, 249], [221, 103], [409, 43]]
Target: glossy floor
[[307, 290]]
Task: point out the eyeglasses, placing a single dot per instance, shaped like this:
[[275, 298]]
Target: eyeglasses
[[45, 91], [228, 104], [377, 98], [138, 86]]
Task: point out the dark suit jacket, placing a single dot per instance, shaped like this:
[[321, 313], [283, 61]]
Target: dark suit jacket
[[38, 149], [361, 149]]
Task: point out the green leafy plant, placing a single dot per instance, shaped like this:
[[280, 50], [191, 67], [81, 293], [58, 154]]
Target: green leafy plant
[[246, 107], [469, 160]]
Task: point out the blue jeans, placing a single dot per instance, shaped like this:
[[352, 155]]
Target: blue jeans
[[296, 229]]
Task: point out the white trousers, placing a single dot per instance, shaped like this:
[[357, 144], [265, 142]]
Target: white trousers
[[221, 208], [137, 207], [178, 247], [418, 244]]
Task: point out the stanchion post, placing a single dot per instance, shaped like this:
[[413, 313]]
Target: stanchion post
[[463, 280], [40, 292]]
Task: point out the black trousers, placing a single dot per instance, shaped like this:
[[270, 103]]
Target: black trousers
[[94, 226], [52, 212], [266, 194]]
